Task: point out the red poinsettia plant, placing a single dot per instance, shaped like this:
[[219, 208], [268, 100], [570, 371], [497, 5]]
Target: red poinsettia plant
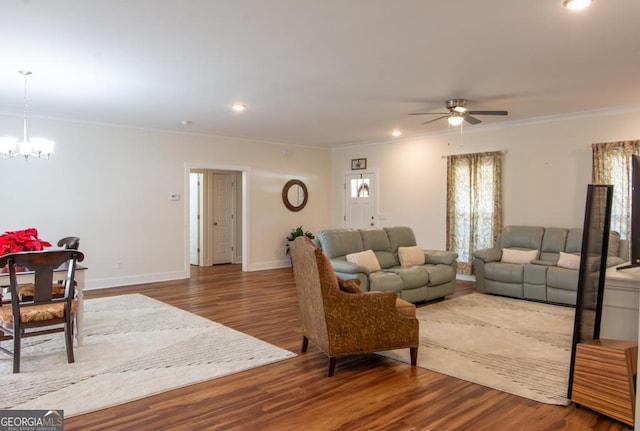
[[21, 240]]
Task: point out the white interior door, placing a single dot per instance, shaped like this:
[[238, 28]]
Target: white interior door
[[222, 198], [195, 218], [360, 200]]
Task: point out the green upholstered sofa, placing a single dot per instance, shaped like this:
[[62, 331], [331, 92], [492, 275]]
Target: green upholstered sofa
[[434, 278], [551, 276]]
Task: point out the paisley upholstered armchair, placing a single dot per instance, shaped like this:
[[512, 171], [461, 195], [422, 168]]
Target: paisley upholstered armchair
[[342, 323]]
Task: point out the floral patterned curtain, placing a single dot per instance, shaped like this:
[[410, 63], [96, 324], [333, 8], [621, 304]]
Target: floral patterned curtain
[[474, 204], [612, 165]]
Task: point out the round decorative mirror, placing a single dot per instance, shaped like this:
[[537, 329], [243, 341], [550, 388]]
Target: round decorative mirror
[[295, 195]]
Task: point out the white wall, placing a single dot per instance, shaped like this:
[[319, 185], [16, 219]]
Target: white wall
[[110, 186], [547, 167]]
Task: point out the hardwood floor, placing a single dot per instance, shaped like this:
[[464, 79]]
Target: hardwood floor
[[368, 392]]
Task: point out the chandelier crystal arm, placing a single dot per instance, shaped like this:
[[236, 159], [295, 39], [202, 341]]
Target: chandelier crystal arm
[[24, 73]]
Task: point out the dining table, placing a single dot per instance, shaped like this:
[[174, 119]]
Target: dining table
[[59, 274]]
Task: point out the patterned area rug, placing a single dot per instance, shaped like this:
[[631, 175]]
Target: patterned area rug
[[134, 347], [515, 346]]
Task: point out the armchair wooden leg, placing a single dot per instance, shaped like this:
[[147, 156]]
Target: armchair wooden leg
[[332, 366], [305, 344], [414, 355]]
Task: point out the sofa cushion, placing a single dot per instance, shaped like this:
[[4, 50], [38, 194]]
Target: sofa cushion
[[366, 259], [400, 236], [412, 276], [385, 281], [510, 255], [375, 239], [378, 241], [574, 243], [562, 278], [535, 274], [386, 259], [529, 237], [440, 274], [569, 260], [504, 272], [340, 242], [554, 241], [411, 256]]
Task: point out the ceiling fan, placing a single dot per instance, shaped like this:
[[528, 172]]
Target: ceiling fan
[[458, 112]]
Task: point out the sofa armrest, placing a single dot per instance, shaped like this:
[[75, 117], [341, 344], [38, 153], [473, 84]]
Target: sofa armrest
[[488, 254], [348, 267], [440, 257]]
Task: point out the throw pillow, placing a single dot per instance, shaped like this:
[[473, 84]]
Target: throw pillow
[[569, 261], [365, 258], [411, 256], [351, 285], [510, 255]]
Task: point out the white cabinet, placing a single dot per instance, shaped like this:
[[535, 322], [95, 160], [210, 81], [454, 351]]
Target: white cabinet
[[620, 320], [620, 317]]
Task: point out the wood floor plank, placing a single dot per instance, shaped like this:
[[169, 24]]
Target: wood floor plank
[[368, 392]]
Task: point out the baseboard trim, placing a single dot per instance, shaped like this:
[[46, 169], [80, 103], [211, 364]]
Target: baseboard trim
[[135, 279], [465, 277]]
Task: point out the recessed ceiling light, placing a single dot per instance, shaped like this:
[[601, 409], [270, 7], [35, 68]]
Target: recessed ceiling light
[[186, 122], [577, 4], [396, 133], [238, 107]]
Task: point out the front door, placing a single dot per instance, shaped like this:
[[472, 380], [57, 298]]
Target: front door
[[360, 200]]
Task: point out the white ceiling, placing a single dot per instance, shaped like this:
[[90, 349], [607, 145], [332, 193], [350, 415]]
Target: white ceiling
[[315, 72]]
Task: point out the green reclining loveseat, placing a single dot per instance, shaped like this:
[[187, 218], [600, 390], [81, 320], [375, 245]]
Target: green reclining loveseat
[[388, 259], [538, 263]]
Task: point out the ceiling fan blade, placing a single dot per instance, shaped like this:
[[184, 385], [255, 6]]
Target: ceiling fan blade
[[435, 119], [428, 113], [472, 120], [488, 112]]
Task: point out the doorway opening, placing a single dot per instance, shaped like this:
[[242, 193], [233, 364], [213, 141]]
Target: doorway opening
[[216, 228]]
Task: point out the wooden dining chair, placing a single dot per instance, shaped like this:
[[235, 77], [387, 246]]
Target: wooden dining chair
[[69, 242], [43, 313], [26, 290]]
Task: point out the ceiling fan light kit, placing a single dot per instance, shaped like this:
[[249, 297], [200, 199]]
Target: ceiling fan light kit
[[455, 120]]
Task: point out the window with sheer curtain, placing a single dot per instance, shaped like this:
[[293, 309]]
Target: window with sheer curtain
[[474, 204], [612, 165]]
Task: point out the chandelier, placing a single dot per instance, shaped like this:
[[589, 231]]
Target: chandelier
[[34, 147]]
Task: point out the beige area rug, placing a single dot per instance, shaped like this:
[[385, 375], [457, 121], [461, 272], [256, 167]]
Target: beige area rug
[[134, 347], [515, 346]]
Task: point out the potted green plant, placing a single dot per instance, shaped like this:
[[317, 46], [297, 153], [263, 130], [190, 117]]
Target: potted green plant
[[296, 233]]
